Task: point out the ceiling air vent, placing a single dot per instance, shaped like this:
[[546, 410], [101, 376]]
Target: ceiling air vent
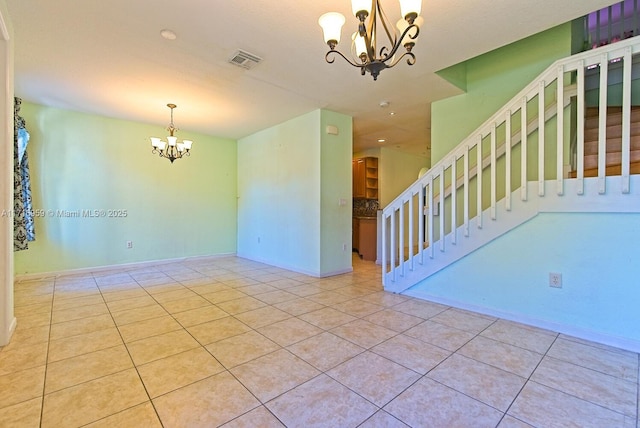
[[244, 59]]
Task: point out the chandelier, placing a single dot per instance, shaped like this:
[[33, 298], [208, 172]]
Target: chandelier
[[171, 149], [364, 49]]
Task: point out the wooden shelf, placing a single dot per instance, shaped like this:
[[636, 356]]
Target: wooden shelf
[[365, 178]]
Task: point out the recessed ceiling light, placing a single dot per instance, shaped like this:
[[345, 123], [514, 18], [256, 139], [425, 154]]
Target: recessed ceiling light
[[392, 113], [168, 34], [381, 140]]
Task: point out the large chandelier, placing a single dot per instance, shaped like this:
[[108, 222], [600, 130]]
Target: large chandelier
[[364, 49], [171, 149]]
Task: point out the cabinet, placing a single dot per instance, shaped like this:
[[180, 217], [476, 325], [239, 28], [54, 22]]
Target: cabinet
[[365, 178], [365, 237]]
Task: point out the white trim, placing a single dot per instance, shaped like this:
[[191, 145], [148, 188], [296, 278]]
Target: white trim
[[4, 31], [571, 330], [297, 269], [126, 266]]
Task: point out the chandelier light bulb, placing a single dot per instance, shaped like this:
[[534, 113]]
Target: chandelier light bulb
[[410, 9], [331, 24]]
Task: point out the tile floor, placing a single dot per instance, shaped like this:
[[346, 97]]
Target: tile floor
[[232, 342]]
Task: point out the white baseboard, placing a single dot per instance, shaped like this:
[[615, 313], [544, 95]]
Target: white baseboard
[[126, 266], [570, 330]]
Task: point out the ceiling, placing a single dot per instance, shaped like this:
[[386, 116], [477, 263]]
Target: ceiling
[[108, 58]]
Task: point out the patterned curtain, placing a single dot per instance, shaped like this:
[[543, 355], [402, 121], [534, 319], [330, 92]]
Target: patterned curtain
[[23, 226]]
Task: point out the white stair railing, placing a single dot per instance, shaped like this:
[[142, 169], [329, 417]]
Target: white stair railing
[[495, 178]]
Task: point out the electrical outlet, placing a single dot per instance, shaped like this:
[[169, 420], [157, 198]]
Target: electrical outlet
[[344, 247], [555, 280], [129, 245]]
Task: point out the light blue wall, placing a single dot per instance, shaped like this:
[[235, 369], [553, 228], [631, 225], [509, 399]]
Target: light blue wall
[[596, 255], [290, 178]]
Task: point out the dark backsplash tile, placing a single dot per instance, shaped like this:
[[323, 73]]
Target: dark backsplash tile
[[365, 207]]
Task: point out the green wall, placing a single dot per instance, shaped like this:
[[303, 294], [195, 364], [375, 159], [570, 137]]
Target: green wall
[[491, 80], [87, 162], [291, 178]]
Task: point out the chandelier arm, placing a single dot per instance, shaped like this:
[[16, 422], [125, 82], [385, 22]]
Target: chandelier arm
[[333, 51], [371, 30], [385, 25], [411, 60], [397, 45]]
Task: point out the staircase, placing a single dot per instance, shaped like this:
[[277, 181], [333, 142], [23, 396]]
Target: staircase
[[613, 158], [520, 163]]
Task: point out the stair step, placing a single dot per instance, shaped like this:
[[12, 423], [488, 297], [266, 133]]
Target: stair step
[[613, 145], [613, 131], [591, 122], [634, 168], [613, 158]]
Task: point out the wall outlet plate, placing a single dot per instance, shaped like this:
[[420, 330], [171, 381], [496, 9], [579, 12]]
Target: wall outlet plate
[[555, 280]]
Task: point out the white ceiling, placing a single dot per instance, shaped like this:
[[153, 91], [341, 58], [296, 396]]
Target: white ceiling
[[107, 57]]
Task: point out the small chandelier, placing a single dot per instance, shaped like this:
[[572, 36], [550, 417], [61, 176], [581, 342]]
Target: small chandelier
[[364, 48], [171, 149]]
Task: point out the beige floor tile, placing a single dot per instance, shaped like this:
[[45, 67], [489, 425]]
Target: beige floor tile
[[277, 296], [298, 306], [42, 299], [394, 320], [22, 415], [440, 335], [385, 299], [38, 308], [80, 312], [133, 303], [374, 377], [453, 409], [420, 308], [284, 283], [223, 296], [219, 329], [72, 371], [209, 402], [618, 363], [179, 370], [162, 286], [608, 391], [21, 386], [531, 338], [325, 350], [138, 314], [61, 304], [160, 346], [152, 327], [16, 357], [93, 400], [189, 303], [199, 315], [29, 336], [357, 308], [262, 316], [84, 343], [463, 320], [289, 331], [329, 298], [243, 304], [321, 402], [305, 290], [126, 294], [178, 293], [239, 349], [37, 319], [363, 333], [74, 328], [501, 355], [142, 415], [327, 318], [541, 406], [511, 422], [210, 287], [411, 353], [258, 417], [483, 382], [383, 419], [271, 375]]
